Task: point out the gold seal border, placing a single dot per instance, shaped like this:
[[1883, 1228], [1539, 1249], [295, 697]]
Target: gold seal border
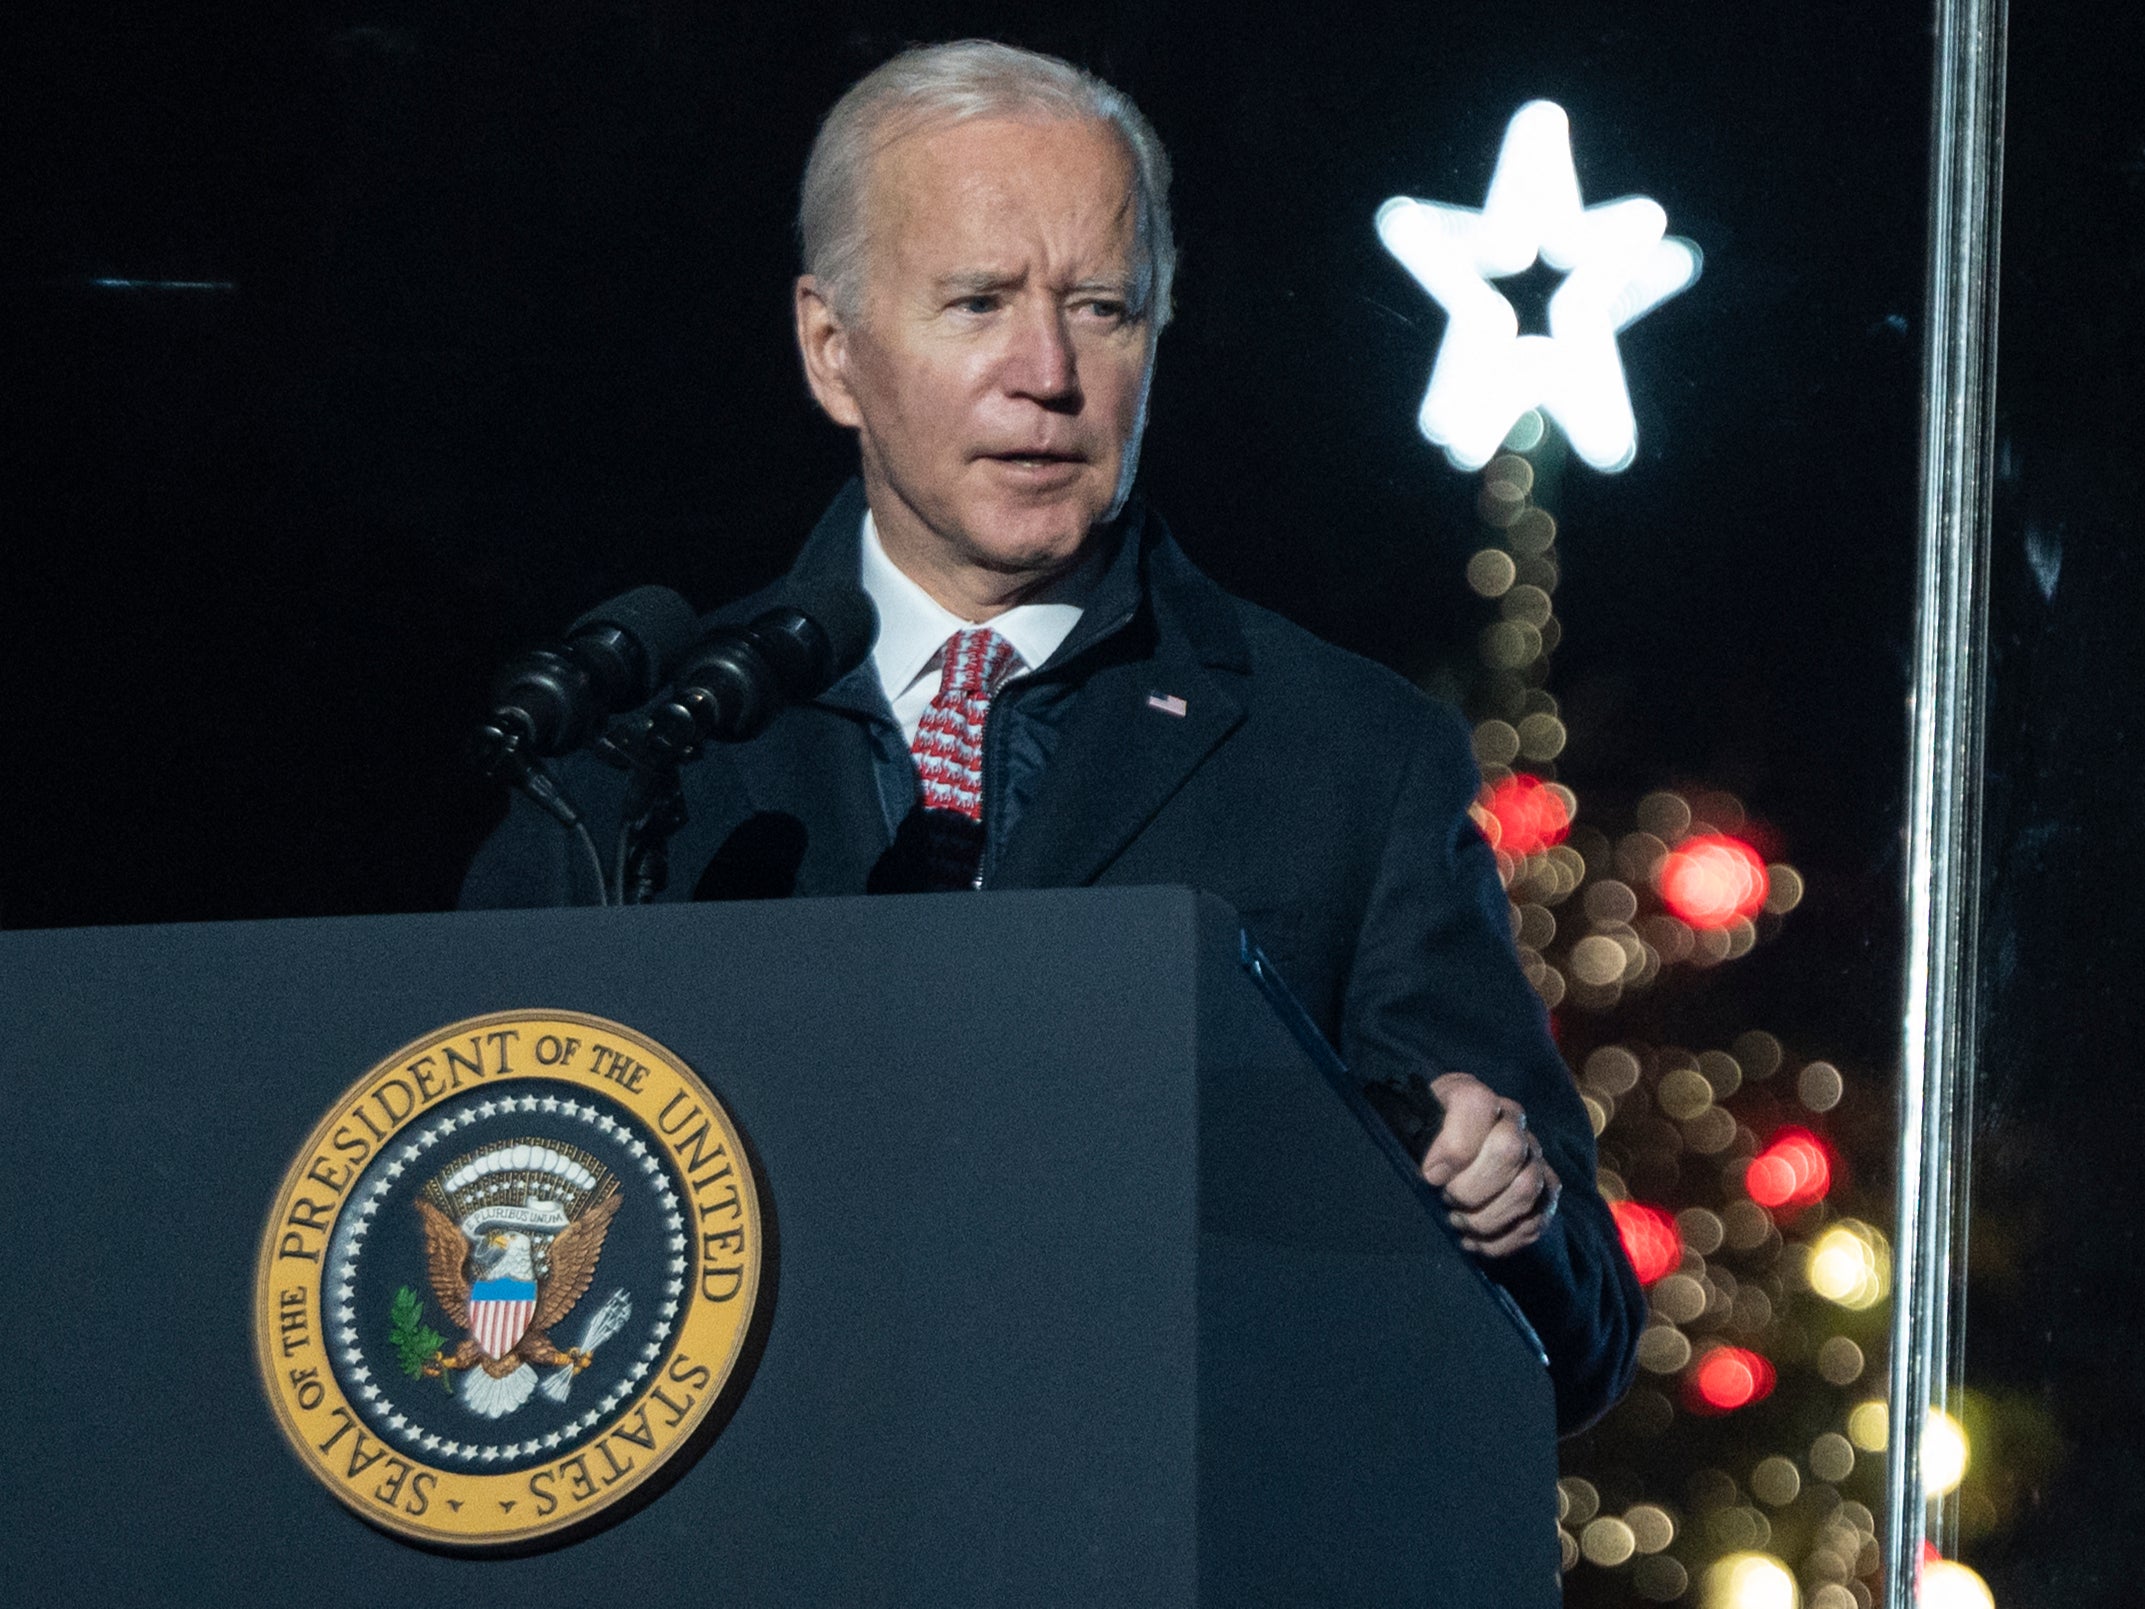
[[379, 1479]]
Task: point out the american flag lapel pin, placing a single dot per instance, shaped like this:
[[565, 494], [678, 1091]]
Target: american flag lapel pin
[[1167, 703]]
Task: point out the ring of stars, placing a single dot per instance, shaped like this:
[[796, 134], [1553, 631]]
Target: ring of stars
[[351, 1243]]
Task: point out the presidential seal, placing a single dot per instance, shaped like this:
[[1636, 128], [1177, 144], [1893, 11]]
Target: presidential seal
[[507, 1280]]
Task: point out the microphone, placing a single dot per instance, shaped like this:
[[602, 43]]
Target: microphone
[[553, 699], [738, 678]]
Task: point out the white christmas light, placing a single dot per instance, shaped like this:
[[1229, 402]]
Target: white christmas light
[[1618, 261]]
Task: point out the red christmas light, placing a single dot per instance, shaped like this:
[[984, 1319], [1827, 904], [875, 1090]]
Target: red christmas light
[[1728, 1378], [1712, 880], [1525, 815], [1793, 1171], [1651, 1239]]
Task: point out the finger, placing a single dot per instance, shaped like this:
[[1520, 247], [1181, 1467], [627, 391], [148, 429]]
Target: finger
[[1530, 1227], [1472, 1110], [1505, 1151], [1525, 1233], [1523, 1196]]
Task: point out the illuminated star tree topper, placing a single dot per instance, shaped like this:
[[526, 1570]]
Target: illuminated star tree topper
[[1618, 260]]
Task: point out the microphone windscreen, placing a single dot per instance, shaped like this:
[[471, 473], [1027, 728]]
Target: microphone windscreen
[[657, 619], [845, 614]]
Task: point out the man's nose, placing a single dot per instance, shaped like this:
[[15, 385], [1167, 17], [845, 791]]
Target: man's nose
[[1040, 362]]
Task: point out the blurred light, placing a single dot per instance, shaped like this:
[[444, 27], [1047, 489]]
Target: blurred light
[[1786, 891], [1510, 644], [1597, 960], [1652, 1526], [1536, 927], [1850, 1264], [1752, 1310], [1579, 1501], [1614, 1068], [1533, 533], [1660, 1579], [1713, 880], [1749, 1581], [1711, 1131], [1529, 816], [1945, 1454], [1673, 939], [1731, 1377], [1537, 569], [1607, 1542], [1510, 469], [1840, 1361], [1793, 1171], [1498, 503], [1567, 1549], [1869, 1426], [1664, 814], [1527, 604], [1832, 1457], [1702, 1230], [1759, 1052], [1618, 262], [1650, 1239], [1496, 743], [1491, 572], [1722, 1071], [1683, 1093], [1747, 1224], [1527, 433], [1819, 1086], [1776, 1481], [1611, 901], [1663, 1349], [1947, 1584], [1738, 1528], [1541, 738]]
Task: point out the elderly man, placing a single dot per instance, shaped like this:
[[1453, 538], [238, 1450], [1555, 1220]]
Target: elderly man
[[1058, 698]]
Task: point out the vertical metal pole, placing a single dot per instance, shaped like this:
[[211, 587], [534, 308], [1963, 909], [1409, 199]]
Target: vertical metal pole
[[1943, 816]]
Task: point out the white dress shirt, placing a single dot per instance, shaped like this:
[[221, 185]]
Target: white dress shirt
[[914, 628]]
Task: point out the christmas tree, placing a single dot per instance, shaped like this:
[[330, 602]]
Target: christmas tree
[[1747, 1177]]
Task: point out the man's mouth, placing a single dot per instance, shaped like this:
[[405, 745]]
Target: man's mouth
[[1040, 459]]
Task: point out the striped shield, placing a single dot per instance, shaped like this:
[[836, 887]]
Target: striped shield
[[499, 1311]]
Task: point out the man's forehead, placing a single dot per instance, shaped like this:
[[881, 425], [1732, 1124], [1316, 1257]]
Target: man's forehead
[[965, 177]]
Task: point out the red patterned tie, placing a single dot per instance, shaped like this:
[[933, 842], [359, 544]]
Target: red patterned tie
[[948, 750]]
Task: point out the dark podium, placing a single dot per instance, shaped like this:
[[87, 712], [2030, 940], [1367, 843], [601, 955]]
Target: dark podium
[[1088, 1288]]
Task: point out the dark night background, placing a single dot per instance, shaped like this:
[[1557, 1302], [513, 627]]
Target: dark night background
[[500, 328]]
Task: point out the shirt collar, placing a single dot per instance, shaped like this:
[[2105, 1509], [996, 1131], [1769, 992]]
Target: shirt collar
[[914, 626]]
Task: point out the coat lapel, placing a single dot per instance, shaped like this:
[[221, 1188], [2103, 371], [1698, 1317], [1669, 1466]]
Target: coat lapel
[[1118, 763], [1140, 726]]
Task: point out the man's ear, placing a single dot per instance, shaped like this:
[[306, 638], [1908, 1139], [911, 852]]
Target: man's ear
[[823, 343]]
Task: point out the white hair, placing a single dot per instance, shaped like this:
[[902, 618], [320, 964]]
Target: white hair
[[935, 85]]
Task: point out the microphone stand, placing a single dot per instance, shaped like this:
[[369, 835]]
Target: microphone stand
[[655, 799]]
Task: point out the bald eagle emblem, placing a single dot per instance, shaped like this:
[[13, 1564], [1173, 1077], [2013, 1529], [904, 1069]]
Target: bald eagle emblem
[[513, 1233]]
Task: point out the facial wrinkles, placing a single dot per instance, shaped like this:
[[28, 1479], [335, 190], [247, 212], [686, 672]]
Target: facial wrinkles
[[1042, 232]]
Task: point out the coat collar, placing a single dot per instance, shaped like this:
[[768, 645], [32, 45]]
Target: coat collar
[[1157, 634], [1163, 668]]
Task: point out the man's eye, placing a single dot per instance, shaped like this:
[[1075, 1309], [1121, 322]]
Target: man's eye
[[976, 304], [1109, 311]]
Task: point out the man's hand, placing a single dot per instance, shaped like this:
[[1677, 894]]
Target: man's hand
[[1491, 1170]]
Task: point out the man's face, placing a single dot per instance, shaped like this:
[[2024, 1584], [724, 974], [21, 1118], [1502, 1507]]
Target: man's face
[[996, 369]]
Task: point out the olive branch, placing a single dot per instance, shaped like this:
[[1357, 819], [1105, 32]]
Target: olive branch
[[415, 1342]]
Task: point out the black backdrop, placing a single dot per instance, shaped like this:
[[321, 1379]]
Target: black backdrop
[[506, 331]]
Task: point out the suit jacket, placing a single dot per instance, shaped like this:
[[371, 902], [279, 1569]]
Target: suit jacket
[[1321, 795]]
